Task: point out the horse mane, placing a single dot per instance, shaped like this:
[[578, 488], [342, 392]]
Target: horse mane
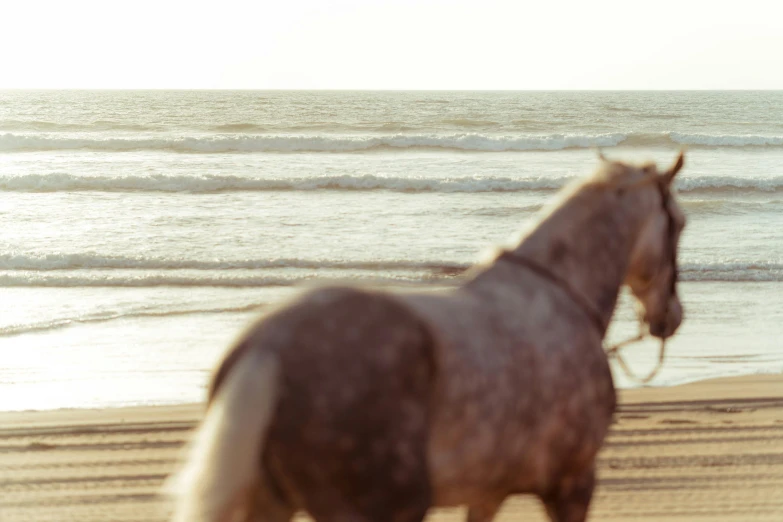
[[619, 174], [609, 175]]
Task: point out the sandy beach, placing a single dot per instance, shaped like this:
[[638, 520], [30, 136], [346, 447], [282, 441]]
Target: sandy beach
[[705, 451]]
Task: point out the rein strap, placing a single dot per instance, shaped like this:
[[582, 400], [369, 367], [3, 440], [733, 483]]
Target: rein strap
[[614, 353], [579, 299]]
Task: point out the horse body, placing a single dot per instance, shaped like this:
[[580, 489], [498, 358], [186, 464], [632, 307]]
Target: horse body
[[518, 417], [386, 404]]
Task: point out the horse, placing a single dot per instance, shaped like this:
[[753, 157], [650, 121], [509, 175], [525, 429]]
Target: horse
[[357, 404]]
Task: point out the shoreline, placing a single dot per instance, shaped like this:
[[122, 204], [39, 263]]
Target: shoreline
[[192, 409], [195, 406], [710, 450]]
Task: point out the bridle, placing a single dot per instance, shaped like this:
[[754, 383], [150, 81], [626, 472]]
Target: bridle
[[671, 246], [613, 352]]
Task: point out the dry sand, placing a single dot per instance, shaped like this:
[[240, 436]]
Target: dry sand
[[705, 451]]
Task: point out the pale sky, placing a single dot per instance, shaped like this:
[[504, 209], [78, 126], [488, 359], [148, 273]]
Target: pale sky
[[392, 44]]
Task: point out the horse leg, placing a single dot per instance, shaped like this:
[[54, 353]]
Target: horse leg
[[570, 499], [484, 512]]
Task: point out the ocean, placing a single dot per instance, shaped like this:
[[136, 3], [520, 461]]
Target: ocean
[[143, 230]]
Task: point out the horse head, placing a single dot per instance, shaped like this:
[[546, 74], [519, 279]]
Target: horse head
[[652, 271]]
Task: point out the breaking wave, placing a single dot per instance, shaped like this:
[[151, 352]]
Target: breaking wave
[[709, 140], [732, 271], [210, 183], [729, 206], [60, 261], [729, 183], [92, 269], [244, 138], [208, 279], [218, 183], [309, 143], [53, 324]]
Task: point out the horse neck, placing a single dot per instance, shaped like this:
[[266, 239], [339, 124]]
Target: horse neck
[[587, 243]]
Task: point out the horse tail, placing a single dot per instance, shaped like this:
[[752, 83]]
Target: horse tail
[[225, 455]]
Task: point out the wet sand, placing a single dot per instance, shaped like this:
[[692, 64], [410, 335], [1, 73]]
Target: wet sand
[[705, 451]]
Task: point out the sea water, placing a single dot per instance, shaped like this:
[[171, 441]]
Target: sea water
[[143, 230]]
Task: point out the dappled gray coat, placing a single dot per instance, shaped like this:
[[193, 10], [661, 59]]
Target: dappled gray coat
[[359, 404]]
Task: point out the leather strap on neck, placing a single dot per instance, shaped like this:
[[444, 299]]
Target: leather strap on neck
[[578, 298]]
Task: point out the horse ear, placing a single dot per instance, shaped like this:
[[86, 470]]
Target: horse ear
[[668, 176], [601, 155]]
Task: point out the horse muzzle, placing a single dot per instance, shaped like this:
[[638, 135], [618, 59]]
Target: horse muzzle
[[665, 327]]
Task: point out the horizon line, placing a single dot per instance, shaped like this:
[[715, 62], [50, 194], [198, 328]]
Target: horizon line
[[234, 89]]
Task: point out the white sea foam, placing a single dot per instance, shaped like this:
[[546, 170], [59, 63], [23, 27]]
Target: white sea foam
[[309, 143], [235, 141], [92, 260], [100, 317], [732, 271], [726, 140], [220, 183], [217, 279], [94, 270], [728, 206], [209, 183], [104, 279], [729, 183]]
